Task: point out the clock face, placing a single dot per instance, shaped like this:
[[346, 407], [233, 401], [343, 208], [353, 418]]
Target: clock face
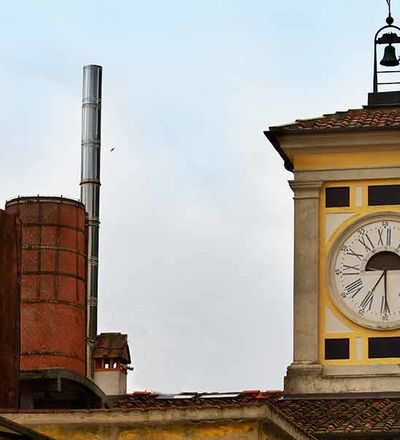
[[364, 272]]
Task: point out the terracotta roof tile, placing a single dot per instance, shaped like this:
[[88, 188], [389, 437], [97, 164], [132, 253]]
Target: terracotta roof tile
[[316, 416], [359, 118], [324, 416], [148, 400]]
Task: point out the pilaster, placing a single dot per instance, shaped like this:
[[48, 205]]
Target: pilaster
[[306, 270]]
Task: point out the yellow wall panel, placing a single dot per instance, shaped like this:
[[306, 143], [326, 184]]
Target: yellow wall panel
[[178, 431], [345, 160]]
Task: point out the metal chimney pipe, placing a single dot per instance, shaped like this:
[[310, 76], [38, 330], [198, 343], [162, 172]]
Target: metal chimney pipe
[[90, 189]]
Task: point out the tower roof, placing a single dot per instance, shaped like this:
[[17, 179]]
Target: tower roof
[[365, 118], [377, 119]]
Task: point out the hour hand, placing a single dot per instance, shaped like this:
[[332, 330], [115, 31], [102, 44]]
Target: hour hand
[[385, 305]]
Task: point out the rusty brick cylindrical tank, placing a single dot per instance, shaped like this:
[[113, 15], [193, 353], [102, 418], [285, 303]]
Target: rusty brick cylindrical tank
[[53, 283]]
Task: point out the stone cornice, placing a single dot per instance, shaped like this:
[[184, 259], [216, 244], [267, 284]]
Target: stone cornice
[[347, 174], [306, 189], [128, 417], [342, 141]]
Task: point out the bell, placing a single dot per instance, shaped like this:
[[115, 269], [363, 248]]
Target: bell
[[389, 57]]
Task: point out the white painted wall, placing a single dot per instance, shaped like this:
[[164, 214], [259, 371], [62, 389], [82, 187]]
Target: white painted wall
[[111, 381]]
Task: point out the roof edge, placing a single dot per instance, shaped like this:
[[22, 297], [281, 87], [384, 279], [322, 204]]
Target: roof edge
[[27, 433], [312, 131], [265, 413], [270, 135]]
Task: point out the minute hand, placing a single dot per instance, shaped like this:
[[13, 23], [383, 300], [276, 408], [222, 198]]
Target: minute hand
[[386, 308], [372, 290]]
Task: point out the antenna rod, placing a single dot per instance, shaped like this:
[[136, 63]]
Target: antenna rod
[[90, 191], [390, 7]]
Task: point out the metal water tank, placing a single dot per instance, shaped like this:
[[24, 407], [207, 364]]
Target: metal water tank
[[53, 282]]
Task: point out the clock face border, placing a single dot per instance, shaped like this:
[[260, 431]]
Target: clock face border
[[330, 276]]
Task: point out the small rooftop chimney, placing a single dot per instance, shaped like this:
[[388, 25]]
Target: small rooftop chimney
[[90, 190], [111, 359]]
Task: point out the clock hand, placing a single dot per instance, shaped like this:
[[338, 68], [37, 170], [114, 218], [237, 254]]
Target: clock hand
[[369, 297], [383, 273], [386, 306]]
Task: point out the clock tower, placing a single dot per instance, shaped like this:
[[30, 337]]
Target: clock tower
[[346, 186]]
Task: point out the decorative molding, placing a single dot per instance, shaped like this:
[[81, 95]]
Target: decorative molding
[[347, 174], [306, 190], [324, 142]]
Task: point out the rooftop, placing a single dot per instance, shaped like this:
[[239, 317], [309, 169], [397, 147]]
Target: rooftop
[[149, 400], [317, 416], [350, 119], [355, 120], [12, 430]]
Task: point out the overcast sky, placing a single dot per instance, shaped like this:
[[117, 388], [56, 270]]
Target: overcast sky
[[196, 234]]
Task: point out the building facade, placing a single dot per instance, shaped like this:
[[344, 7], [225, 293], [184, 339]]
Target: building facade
[[346, 299]]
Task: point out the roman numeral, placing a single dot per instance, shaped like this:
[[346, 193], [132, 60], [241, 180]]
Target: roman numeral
[[355, 254], [388, 237], [347, 270], [367, 301], [354, 287], [363, 242], [380, 239]]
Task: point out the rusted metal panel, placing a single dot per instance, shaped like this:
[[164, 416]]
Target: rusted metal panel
[[10, 258]]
